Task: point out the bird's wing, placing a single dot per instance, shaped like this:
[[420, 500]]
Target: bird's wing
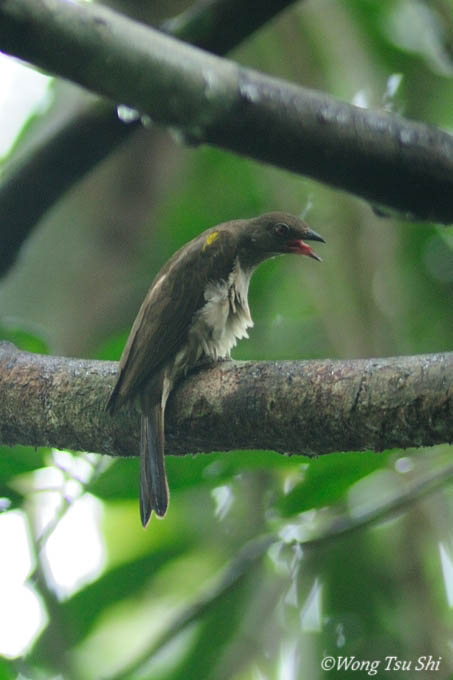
[[165, 316]]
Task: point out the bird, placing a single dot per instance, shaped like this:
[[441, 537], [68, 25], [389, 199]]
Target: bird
[[194, 312]]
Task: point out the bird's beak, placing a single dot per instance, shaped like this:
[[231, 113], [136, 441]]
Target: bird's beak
[[311, 235], [300, 247]]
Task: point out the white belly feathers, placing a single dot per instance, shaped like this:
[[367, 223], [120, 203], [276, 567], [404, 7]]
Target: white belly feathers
[[225, 317]]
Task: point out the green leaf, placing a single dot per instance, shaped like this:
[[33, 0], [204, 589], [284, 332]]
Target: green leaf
[[328, 479], [120, 480], [7, 671], [23, 337], [18, 460], [15, 461], [215, 468], [112, 348], [81, 612]]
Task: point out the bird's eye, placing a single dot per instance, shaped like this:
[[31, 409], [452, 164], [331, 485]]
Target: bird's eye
[[281, 229]]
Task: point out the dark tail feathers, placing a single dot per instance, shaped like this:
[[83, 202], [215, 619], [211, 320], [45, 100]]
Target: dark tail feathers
[[153, 480]]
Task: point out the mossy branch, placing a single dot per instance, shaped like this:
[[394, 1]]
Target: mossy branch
[[298, 407]]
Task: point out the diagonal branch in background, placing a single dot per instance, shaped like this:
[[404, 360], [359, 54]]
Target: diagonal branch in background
[[219, 25], [249, 556], [38, 178], [382, 157], [303, 407]]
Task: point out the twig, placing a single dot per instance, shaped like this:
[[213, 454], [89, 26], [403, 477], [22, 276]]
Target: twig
[[248, 557], [253, 552], [344, 526]]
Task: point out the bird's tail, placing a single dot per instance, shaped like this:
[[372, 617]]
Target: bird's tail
[[153, 480]]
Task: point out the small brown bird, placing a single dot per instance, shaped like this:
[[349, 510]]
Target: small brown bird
[[195, 310]]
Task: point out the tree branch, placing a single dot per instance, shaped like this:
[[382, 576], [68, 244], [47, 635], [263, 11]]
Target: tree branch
[[219, 25], [382, 157], [303, 407], [38, 179], [254, 550]]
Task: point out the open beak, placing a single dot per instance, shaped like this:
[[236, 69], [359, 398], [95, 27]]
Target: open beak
[[311, 235], [300, 247]]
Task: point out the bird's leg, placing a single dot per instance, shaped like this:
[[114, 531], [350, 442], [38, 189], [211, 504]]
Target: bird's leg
[[204, 362]]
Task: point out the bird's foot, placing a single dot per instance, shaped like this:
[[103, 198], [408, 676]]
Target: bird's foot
[[205, 362]]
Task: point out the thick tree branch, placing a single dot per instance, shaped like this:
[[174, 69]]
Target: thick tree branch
[[38, 179], [382, 157], [304, 407], [219, 25]]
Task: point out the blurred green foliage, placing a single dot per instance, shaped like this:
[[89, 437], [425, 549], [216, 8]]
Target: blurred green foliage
[[224, 587]]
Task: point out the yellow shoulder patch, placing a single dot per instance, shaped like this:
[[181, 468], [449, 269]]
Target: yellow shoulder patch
[[213, 236]]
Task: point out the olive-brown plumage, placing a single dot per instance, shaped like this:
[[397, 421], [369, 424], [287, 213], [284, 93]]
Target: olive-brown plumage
[[196, 309]]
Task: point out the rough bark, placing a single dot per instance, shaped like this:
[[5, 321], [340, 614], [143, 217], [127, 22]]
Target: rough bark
[[299, 407]]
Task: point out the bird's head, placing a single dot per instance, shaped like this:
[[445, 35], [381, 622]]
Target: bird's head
[[277, 233]]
